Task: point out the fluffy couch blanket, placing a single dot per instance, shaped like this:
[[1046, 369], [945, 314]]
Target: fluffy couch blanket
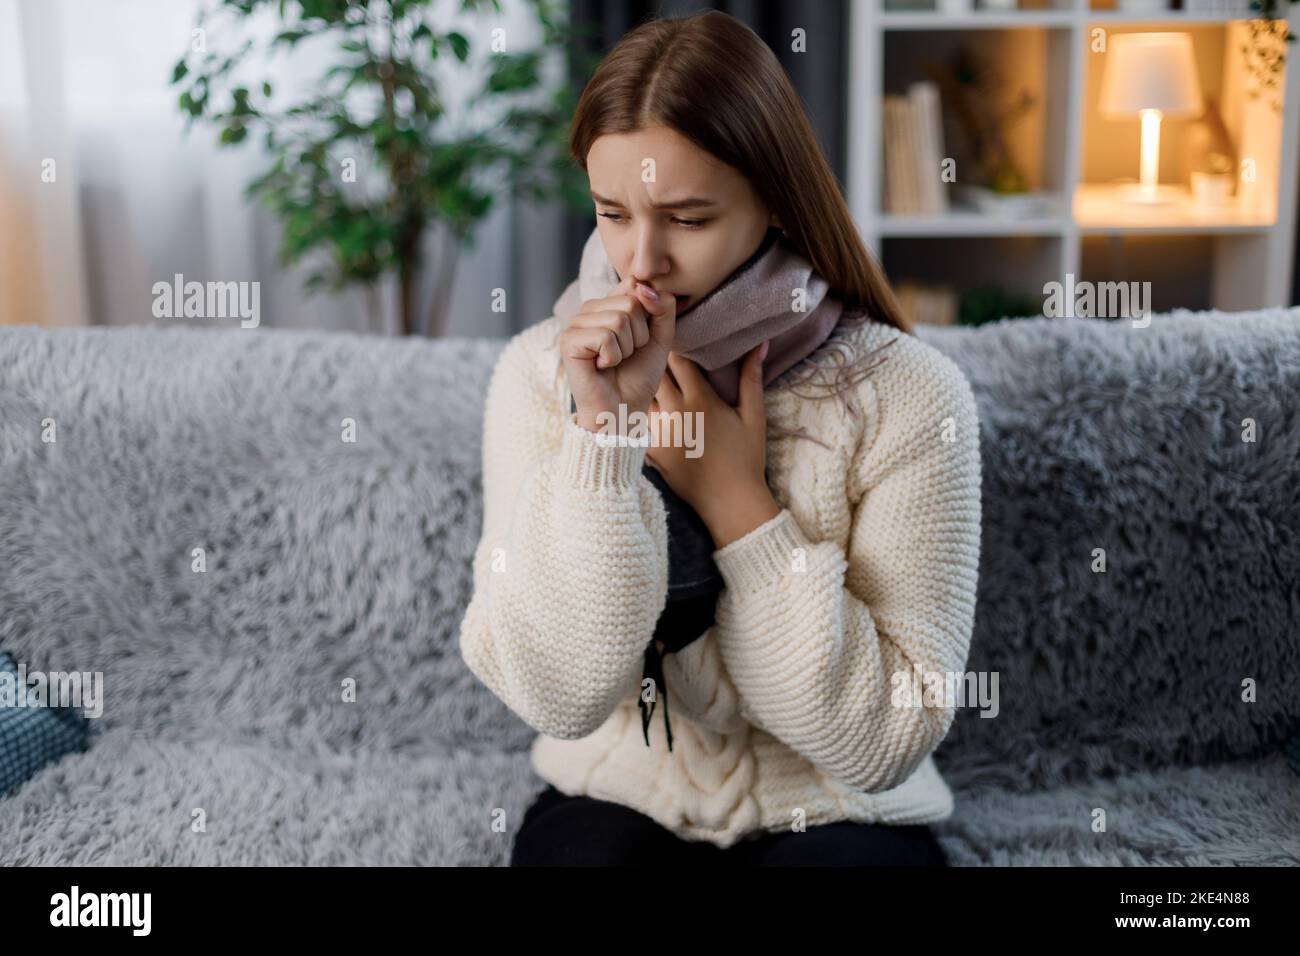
[[301, 699]]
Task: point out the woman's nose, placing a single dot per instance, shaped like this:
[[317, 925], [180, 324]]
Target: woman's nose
[[648, 258]]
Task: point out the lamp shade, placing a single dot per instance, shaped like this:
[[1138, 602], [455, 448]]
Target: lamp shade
[[1150, 71]]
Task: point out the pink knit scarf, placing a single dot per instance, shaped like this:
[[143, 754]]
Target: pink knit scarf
[[757, 301]]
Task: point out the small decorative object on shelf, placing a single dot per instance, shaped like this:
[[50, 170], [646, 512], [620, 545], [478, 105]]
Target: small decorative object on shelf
[[975, 91], [1213, 188], [996, 205], [1151, 76], [997, 4], [1211, 157]]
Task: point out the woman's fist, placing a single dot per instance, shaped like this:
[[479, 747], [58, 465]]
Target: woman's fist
[[615, 350]]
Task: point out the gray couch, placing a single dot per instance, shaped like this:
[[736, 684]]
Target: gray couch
[[331, 562]]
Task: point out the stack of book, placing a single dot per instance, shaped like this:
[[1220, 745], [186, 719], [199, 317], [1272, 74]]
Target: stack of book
[[931, 304], [913, 147]]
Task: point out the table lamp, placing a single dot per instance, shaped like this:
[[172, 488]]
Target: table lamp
[[1151, 76]]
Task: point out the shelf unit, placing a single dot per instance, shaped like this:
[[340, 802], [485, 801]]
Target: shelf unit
[[1238, 258]]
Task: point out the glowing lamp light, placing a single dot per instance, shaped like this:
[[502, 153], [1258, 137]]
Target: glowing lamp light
[[1151, 76]]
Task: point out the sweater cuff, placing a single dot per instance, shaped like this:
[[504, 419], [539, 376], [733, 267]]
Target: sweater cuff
[[595, 461], [762, 557]]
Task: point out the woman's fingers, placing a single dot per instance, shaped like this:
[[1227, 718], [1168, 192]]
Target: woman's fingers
[[598, 342], [617, 323], [624, 312], [640, 330], [638, 318], [625, 317]]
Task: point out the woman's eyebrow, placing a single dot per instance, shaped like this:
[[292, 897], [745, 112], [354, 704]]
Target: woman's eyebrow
[[688, 203]]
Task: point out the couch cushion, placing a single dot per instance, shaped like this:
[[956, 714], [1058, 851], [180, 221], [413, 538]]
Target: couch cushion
[[1232, 814], [1099, 435], [326, 561], [130, 801]]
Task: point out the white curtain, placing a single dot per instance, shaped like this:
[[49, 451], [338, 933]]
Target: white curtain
[[85, 100]]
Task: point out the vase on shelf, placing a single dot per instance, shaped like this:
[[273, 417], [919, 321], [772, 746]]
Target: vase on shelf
[[1210, 159]]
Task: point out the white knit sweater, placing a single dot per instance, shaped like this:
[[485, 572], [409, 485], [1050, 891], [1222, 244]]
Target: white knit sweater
[[787, 710]]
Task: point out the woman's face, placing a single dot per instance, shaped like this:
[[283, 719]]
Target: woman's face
[[670, 213]]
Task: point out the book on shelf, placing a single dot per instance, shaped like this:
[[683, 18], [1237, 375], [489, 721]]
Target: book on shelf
[[927, 304], [894, 151], [912, 123]]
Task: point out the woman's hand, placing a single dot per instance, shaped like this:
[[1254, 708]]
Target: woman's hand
[[615, 350], [726, 483]]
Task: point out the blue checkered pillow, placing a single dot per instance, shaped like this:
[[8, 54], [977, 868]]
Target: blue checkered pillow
[[31, 737]]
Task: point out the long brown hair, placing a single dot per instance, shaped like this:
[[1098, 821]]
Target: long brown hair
[[713, 80]]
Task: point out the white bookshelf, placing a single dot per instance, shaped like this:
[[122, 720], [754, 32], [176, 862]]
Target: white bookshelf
[[1237, 257]]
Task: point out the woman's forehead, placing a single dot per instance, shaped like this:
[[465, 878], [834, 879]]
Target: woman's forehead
[[657, 167]]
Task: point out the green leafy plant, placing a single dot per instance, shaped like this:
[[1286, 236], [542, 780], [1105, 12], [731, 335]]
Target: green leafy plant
[[1266, 52], [370, 157], [990, 303]]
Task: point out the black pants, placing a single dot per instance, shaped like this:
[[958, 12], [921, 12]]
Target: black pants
[[559, 830]]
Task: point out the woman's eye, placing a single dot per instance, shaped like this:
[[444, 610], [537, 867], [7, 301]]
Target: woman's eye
[[684, 223]]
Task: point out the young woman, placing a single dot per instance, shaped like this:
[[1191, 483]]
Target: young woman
[[791, 574]]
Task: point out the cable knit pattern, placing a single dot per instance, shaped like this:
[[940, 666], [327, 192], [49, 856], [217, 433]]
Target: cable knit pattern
[[786, 704]]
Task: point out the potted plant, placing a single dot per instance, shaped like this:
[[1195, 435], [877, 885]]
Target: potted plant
[[368, 159]]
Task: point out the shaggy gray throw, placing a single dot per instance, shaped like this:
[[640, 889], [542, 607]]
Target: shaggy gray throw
[[333, 564]]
